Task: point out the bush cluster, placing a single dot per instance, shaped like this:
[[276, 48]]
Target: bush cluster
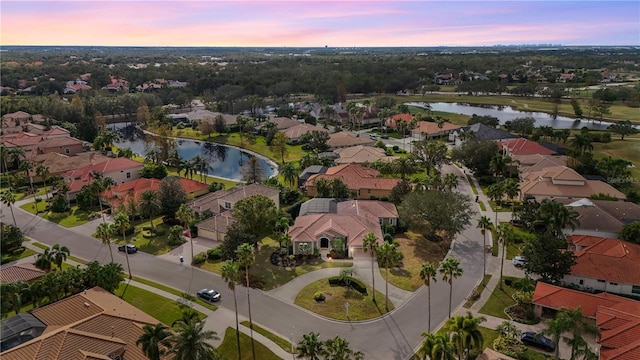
[[319, 296], [214, 254], [199, 258], [353, 283]]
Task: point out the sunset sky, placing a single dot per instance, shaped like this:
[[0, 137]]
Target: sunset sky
[[303, 23]]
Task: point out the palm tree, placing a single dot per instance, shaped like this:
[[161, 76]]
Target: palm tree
[[450, 269], [484, 224], [436, 347], [186, 215], [370, 244], [582, 143], [188, 168], [337, 349], [506, 237], [310, 347], [59, 254], [555, 328], [200, 165], [450, 181], [554, 216], [578, 325], [511, 189], [289, 173], [43, 172], [428, 273], [150, 205], [152, 338], [403, 166], [104, 233], [125, 152], [9, 199], [27, 166], [191, 341], [230, 272], [465, 333], [388, 256], [246, 258], [121, 223], [44, 260]]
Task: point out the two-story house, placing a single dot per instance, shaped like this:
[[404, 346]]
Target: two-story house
[[121, 170], [363, 182]]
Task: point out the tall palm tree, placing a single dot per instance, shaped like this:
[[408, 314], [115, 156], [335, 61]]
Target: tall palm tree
[[200, 165], [450, 181], [484, 224], [289, 173], [59, 254], [121, 223], [428, 273], [246, 258], [450, 269], [436, 347], [337, 349], [582, 143], [388, 256], [230, 272], [150, 205], [555, 328], [554, 217], [370, 244], [44, 260], [310, 347], [104, 232], [465, 333], [578, 325], [190, 341], [186, 215], [403, 166], [151, 340], [43, 172], [9, 199], [506, 237]]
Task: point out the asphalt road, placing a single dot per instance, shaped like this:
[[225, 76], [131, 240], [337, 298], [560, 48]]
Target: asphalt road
[[394, 336]]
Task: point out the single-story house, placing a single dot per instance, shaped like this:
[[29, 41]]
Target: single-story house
[[311, 170], [426, 129], [133, 190], [121, 170], [346, 139], [363, 182], [295, 132], [562, 182], [20, 272], [482, 132], [538, 162], [522, 146], [604, 264], [205, 115], [215, 227], [602, 218], [386, 212], [362, 154]]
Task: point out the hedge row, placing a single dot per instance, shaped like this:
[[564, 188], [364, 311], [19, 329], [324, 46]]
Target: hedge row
[[353, 282]]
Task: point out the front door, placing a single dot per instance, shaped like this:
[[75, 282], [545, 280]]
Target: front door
[[324, 243]]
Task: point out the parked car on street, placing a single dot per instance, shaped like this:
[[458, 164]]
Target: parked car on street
[[131, 249], [540, 341], [519, 261], [208, 295]]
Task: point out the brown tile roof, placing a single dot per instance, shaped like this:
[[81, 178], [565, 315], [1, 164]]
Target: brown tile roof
[[540, 162], [283, 123], [352, 227], [552, 182], [20, 272], [373, 208], [210, 201], [59, 142], [356, 177], [94, 324], [218, 222], [60, 163], [296, 131], [348, 138], [522, 146], [605, 258], [602, 215], [362, 154], [431, 128]]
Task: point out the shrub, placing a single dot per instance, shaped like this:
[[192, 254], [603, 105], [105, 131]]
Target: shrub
[[160, 231], [38, 200], [353, 283], [147, 228], [319, 296], [175, 236], [147, 234], [199, 258], [214, 254], [396, 148]]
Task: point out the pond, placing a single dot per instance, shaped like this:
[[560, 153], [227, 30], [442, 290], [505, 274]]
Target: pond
[[507, 113], [224, 161]]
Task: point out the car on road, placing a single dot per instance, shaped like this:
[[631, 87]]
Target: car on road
[[373, 136], [519, 261], [385, 136], [131, 249], [208, 295], [539, 341]]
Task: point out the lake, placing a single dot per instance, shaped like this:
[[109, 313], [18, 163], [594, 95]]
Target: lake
[[224, 161], [507, 113]]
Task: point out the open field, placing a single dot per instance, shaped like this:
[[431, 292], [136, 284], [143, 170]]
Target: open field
[[629, 150]]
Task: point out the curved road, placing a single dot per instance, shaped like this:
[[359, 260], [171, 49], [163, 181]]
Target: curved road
[[394, 336]]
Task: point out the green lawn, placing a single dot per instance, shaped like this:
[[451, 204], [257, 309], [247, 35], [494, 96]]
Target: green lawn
[[482, 206], [481, 288], [361, 307], [165, 310], [284, 344], [473, 185], [175, 292], [498, 208], [155, 245], [488, 337], [69, 219], [499, 300], [629, 149], [275, 276], [229, 347], [7, 258]]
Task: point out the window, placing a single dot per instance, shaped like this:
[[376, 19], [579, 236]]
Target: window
[[128, 175], [369, 191], [600, 281], [581, 282], [635, 289], [67, 151], [613, 283], [227, 205]]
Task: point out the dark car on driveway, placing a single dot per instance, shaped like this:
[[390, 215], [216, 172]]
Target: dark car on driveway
[[540, 341], [131, 249], [208, 295]]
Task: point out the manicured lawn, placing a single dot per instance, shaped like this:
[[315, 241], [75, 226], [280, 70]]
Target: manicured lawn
[[416, 250], [629, 149], [284, 344], [499, 300], [161, 308], [153, 245], [361, 307], [175, 292], [69, 219], [488, 337], [473, 185], [229, 347], [482, 207], [481, 287], [498, 208], [274, 276], [7, 258]]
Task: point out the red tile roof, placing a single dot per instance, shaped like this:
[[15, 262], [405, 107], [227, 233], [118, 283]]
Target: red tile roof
[[393, 121], [522, 146], [123, 192], [352, 227], [432, 128], [605, 258], [356, 177], [83, 176]]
